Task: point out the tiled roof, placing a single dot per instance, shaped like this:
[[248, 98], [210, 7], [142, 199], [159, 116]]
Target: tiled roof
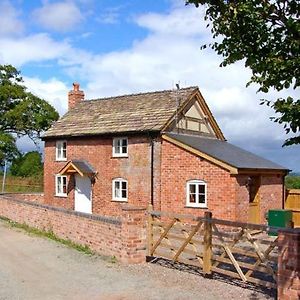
[[129, 113], [226, 152]]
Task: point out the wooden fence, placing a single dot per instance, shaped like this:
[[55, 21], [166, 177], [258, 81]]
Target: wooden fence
[[292, 202], [22, 185], [238, 250]]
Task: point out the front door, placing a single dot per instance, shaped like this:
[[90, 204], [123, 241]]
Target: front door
[[254, 199], [83, 194]]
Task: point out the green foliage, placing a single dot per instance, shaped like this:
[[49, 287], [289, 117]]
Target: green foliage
[[8, 149], [21, 112], [292, 182], [266, 35], [28, 165]]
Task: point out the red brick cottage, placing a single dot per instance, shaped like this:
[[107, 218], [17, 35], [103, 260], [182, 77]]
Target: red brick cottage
[[163, 148]]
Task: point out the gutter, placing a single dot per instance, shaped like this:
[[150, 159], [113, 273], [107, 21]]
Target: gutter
[[105, 134]]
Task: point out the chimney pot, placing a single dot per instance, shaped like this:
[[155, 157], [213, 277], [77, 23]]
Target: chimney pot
[[75, 96], [76, 86]]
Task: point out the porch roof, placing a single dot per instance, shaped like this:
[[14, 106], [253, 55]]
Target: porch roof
[[81, 167]]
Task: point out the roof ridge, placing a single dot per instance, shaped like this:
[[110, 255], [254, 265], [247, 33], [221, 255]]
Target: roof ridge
[[143, 93]]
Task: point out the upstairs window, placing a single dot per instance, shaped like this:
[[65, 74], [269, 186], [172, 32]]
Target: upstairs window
[[120, 189], [61, 150], [196, 193], [120, 147], [61, 186]]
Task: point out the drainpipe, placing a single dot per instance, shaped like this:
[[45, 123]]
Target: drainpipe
[[152, 169]]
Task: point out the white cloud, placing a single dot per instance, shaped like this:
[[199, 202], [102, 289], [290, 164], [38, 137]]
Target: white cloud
[[9, 22], [182, 21], [58, 16], [111, 15], [32, 48], [52, 90], [170, 53]]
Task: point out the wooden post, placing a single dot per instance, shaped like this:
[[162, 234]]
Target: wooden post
[[207, 244], [149, 230]]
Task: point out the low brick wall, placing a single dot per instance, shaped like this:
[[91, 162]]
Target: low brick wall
[[32, 197], [123, 237]]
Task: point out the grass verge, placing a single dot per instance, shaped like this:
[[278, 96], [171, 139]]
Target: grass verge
[[48, 234]]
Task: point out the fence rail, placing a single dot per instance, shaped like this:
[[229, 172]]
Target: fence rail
[[235, 249], [14, 184]]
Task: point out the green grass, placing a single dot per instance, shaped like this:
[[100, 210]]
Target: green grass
[[48, 234]]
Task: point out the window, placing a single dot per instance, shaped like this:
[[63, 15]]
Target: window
[[196, 193], [61, 150], [120, 189], [61, 186], [120, 147]]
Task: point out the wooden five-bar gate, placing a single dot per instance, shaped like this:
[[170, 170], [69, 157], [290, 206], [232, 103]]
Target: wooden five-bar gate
[[240, 250]]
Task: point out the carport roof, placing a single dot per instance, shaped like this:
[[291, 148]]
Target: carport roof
[[226, 152]]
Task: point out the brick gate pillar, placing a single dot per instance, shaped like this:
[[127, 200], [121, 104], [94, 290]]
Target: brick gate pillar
[[133, 235], [288, 284]]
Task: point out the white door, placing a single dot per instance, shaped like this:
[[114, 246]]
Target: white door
[[83, 194]]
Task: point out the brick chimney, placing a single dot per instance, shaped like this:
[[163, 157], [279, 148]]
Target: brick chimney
[[75, 96]]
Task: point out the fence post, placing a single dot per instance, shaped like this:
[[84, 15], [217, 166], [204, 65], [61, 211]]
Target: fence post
[[149, 230], [207, 244], [133, 234], [288, 279]]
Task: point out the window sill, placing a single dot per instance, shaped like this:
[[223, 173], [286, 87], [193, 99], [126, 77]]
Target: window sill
[[58, 160], [119, 156], [197, 207], [61, 196], [120, 201]]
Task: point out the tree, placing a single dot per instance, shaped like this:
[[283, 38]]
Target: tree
[[21, 112], [8, 149], [266, 34], [27, 165]]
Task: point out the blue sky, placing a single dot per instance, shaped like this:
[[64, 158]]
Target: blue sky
[[117, 47]]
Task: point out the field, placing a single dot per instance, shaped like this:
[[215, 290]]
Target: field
[[22, 185]]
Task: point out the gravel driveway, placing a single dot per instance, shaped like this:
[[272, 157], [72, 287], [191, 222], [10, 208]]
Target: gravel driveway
[[37, 268]]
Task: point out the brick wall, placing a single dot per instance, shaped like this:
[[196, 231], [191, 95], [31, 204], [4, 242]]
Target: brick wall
[[227, 195], [178, 166], [135, 168], [123, 237], [242, 196], [270, 192], [288, 280], [32, 197]]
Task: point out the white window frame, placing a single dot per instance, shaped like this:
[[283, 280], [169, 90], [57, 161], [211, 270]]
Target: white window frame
[[59, 150], [59, 192], [197, 183], [115, 147], [119, 197]]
